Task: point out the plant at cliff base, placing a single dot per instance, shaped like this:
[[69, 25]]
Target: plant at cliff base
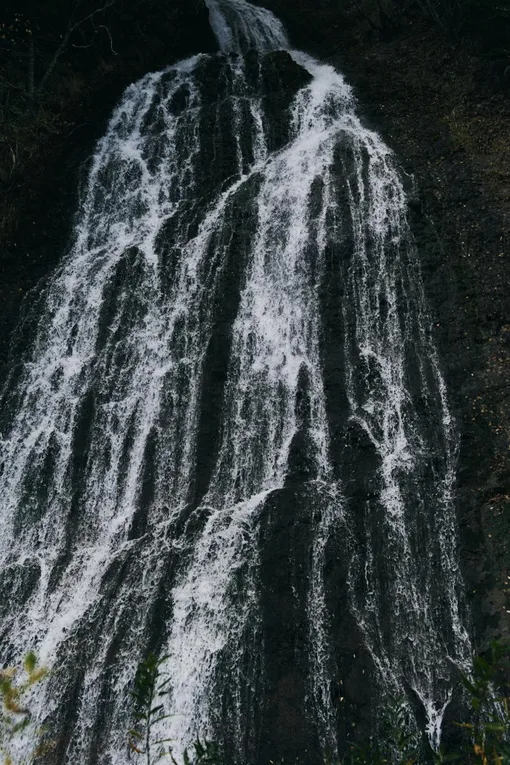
[[149, 689], [147, 693], [397, 741], [488, 731], [15, 716], [206, 753], [490, 727]]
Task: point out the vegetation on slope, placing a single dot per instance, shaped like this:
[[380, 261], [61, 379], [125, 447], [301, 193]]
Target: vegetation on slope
[[485, 736]]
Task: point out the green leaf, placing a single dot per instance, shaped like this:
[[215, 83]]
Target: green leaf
[[162, 717], [495, 727], [468, 685], [30, 662]]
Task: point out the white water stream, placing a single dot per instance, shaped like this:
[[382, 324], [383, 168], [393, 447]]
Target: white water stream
[[101, 536]]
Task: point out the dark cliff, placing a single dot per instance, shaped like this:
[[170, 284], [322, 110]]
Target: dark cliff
[[442, 103], [443, 108]]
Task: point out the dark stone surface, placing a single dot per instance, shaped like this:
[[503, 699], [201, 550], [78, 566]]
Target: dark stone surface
[[446, 113], [410, 88]]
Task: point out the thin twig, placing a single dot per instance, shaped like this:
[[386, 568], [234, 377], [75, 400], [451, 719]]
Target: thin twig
[[65, 40], [103, 26]]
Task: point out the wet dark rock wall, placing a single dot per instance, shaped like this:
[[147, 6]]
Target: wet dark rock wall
[[461, 224], [447, 115]]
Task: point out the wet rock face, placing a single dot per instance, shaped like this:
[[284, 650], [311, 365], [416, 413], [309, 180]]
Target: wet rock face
[[475, 368], [286, 568], [216, 164], [463, 229], [446, 116]]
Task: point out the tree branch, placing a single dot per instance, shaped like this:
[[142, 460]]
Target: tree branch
[[65, 40], [366, 16], [103, 26], [31, 69]]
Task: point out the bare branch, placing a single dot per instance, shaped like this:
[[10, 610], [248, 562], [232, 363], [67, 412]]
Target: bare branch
[[91, 15], [103, 26], [14, 155], [71, 27], [31, 69], [366, 16]]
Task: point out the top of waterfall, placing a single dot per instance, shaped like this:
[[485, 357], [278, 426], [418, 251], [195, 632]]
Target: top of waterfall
[[240, 26]]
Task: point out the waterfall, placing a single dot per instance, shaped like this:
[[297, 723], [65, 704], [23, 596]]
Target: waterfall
[[234, 349]]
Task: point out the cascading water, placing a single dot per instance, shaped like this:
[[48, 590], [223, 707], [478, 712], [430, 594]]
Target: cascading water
[[236, 342]]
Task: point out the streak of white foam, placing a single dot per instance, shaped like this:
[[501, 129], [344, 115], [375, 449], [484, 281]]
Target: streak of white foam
[[138, 181], [240, 26]]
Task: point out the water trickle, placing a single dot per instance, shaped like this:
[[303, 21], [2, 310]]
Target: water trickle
[[240, 26]]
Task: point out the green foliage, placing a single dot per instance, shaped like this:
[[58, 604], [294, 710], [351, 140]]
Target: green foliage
[[149, 689], [486, 734], [489, 727], [207, 753], [396, 742], [148, 692], [15, 715]]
